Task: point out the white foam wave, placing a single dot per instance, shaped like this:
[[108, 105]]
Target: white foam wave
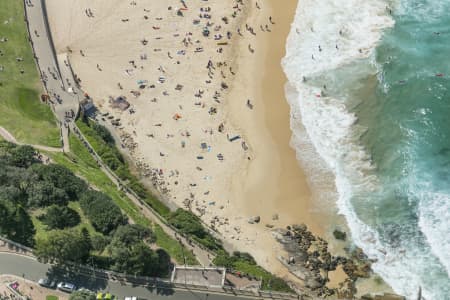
[[325, 36], [355, 28], [434, 222]]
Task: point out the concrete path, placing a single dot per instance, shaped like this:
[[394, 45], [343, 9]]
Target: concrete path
[[10, 138], [29, 268], [63, 101]]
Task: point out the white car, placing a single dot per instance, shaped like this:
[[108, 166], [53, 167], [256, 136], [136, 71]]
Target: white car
[[66, 287], [131, 298], [45, 282]]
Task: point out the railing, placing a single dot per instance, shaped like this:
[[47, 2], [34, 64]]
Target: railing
[[130, 191], [24, 249]]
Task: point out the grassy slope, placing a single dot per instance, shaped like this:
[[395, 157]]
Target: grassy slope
[[82, 163], [21, 111], [103, 149]]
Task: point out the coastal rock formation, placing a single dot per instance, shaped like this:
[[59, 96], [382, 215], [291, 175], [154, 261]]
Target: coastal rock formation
[[310, 260]]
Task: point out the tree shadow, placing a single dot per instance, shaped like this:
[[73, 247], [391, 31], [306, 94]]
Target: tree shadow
[[92, 280]]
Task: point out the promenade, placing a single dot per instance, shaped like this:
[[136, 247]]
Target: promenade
[[64, 96]]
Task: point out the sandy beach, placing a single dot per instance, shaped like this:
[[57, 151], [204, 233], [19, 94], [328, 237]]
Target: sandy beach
[[208, 123]]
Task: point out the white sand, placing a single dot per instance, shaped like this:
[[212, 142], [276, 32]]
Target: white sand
[[263, 180]]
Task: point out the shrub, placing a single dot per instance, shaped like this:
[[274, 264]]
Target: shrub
[[103, 213], [58, 217]]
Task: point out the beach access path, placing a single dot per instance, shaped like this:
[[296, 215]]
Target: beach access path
[[63, 97], [10, 138]]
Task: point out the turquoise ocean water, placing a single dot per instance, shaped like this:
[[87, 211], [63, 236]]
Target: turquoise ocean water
[[371, 84]]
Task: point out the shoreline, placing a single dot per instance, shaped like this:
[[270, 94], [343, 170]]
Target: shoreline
[[267, 126]]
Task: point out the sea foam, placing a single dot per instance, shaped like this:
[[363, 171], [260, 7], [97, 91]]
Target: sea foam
[[331, 44], [327, 36]]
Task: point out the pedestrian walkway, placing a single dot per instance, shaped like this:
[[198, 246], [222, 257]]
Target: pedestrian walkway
[[63, 102], [5, 134]]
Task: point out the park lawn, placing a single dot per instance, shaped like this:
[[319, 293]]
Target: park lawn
[[42, 231], [21, 112], [51, 297], [80, 161]]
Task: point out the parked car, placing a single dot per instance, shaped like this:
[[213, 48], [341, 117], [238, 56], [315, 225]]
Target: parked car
[[131, 298], [45, 282], [66, 287]]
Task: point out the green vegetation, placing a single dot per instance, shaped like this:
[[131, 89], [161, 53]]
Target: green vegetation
[[103, 143], [61, 246], [60, 217], [22, 113], [104, 214], [51, 297], [189, 224], [80, 161], [82, 295], [245, 264], [29, 187], [130, 253]]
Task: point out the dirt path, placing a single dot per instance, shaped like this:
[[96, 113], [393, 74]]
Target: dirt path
[[10, 138]]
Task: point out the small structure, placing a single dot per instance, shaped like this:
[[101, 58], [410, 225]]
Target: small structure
[[87, 106], [213, 277]]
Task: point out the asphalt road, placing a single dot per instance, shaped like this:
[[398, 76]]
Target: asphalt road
[[13, 264]]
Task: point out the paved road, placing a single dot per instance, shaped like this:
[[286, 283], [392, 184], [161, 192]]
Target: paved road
[[13, 264]]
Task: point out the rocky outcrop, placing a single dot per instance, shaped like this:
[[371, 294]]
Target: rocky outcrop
[[310, 260]]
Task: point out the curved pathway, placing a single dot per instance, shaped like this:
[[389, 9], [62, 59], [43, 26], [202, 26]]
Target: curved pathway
[[10, 138]]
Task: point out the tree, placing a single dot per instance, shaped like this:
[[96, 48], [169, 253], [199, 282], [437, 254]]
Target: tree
[[60, 217], [44, 193], [22, 156], [23, 227], [15, 223], [61, 178], [132, 233], [130, 254], [82, 295], [103, 213], [99, 242], [135, 259], [60, 246]]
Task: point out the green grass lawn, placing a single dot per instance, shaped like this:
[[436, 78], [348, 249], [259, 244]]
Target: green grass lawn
[[81, 162], [42, 231], [21, 111], [51, 297]]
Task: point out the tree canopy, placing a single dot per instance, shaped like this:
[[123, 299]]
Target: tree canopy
[[60, 246], [60, 217], [103, 213]]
